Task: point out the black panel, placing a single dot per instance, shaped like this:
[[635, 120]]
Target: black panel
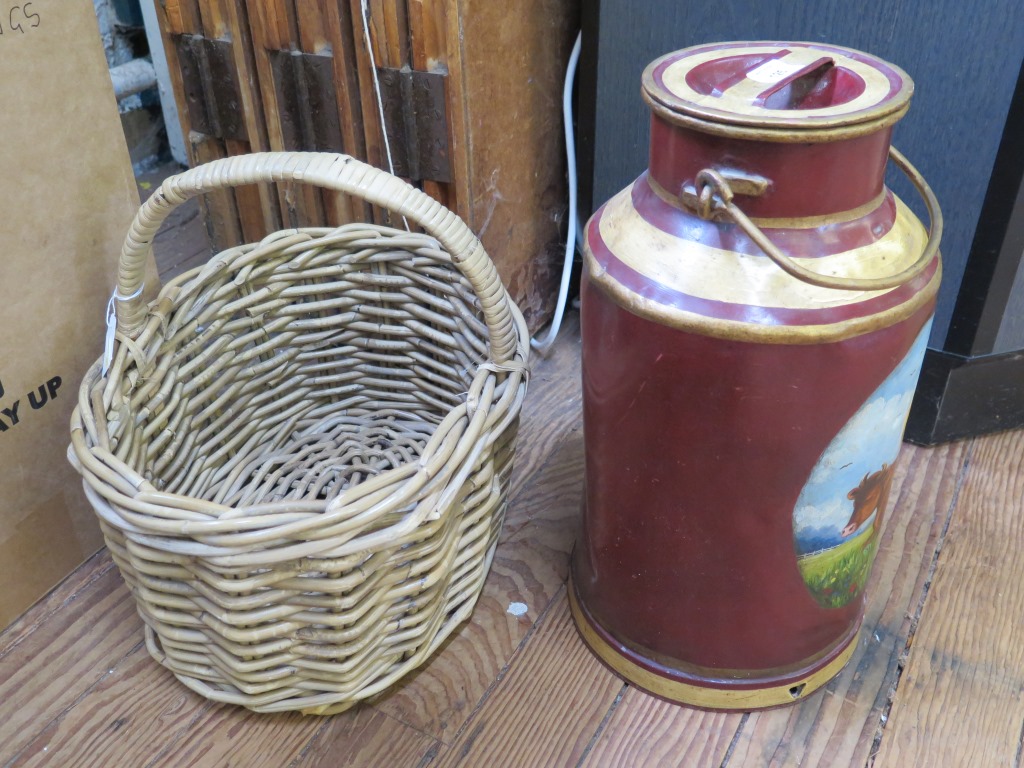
[[989, 273], [958, 397], [931, 388]]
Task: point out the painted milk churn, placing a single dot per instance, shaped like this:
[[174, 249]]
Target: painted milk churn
[[755, 309]]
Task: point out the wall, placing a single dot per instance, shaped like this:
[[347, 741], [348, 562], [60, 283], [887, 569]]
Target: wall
[[117, 43], [124, 39]]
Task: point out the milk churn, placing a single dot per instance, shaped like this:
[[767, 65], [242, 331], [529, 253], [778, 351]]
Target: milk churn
[[755, 309]]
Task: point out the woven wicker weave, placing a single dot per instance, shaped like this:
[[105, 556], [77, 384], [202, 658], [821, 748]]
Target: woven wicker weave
[[300, 453]]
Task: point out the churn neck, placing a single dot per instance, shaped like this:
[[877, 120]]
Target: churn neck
[[813, 120]]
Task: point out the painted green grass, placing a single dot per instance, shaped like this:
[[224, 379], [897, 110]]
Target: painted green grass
[[838, 575]]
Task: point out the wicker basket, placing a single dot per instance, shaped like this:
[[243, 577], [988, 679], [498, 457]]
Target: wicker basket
[[300, 453]]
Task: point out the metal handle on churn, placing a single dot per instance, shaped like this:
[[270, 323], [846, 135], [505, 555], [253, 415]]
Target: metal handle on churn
[[711, 195]]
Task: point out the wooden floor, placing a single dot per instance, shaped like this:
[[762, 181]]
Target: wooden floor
[[937, 678]]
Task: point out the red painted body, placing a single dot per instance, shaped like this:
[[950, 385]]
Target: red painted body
[[807, 179], [698, 447], [696, 451]]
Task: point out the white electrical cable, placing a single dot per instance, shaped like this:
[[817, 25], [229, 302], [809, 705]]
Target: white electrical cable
[[543, 345], [365, 7], [376, 82]]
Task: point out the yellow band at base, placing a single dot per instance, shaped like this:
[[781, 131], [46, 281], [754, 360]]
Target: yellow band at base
[[697, 695]]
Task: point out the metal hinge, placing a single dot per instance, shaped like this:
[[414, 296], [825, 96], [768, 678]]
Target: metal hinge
[[212, 93], [308, 105], [416, 122]]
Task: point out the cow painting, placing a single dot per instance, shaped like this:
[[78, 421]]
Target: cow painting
[[871, 496]]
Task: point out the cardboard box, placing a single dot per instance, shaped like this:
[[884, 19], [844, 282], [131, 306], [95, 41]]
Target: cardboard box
[[67, 196]]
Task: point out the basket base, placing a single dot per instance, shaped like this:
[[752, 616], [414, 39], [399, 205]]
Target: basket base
[[691, 690]]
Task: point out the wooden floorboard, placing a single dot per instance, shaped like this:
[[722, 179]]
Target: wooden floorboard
[[365, 737], [547, 707], [528, 569], [229, 735], [58, 598], [838, 725], [935, 680], [64, 656], [960, 701], [553, 405], [643, 730], [127, 718]]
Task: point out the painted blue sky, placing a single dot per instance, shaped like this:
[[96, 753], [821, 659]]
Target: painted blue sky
[[870, 438]]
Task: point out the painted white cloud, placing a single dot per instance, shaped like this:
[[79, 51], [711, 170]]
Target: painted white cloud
[[835, 513]]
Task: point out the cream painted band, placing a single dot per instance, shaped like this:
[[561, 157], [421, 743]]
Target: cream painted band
[[735, 330], [792, 222], [697, 695], [705, 272]]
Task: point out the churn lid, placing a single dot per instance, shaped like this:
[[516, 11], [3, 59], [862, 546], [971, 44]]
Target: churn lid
[[777, 90]]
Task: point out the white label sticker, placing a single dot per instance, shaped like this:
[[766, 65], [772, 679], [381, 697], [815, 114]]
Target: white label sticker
[[773, 71]]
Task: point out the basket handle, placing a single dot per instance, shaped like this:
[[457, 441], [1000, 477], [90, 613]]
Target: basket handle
[[330, 171]]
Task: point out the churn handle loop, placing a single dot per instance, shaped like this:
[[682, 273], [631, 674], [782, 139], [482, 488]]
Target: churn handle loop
[[339, 173], [713, 195]]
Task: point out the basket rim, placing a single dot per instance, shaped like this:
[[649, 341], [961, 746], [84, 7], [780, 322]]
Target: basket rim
[[128, 497]]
